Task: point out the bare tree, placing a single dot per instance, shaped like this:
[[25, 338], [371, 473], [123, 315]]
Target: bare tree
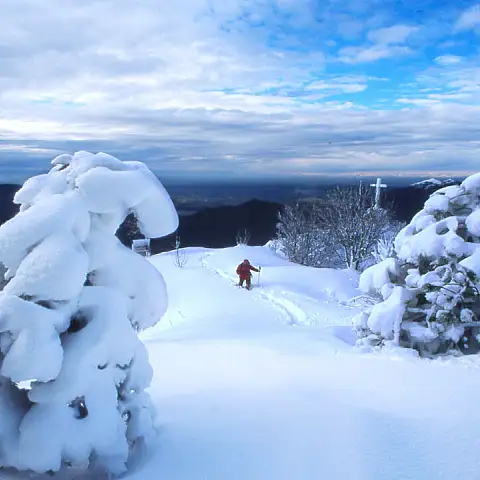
[[243, 237], [353, 226], [342, 229], [290, 227], [180, 258], [301, 236]]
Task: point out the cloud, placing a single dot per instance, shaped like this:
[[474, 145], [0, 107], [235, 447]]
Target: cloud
[[391, 35], [387, 42], [469, 19], [339, 85], [331, 138], [354, 55], [460, 81], [448, 60], [197, 87], [419, 101]]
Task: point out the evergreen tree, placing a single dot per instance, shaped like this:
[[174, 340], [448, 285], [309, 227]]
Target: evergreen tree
[[70, 313], [429, 288]]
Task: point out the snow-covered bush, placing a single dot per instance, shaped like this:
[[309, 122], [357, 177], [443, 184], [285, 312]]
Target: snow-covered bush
[[276, 246], [242, 237], [429, 290], [352, 225], [70, 313], [385, 247], [300, 236], [342, 229]]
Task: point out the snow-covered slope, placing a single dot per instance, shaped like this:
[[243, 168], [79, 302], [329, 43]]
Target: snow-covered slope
[[435, 183], [266, 385]]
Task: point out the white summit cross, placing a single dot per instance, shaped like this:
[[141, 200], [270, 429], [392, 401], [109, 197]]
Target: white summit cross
[[378, 188]]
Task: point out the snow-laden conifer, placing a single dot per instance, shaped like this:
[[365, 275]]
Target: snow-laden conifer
[[70, 314], [429, 288]]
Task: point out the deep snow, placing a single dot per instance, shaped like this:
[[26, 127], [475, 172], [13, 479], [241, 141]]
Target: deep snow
[[267, 385]]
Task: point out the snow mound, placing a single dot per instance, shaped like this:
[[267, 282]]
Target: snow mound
[[431, 183]]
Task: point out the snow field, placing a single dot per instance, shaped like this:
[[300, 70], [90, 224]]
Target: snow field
[[242, 393]]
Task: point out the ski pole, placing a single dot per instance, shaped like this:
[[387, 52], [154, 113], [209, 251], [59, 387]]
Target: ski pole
[[259, 271]]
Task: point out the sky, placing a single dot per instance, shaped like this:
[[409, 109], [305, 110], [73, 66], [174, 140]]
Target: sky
[[258, 89]]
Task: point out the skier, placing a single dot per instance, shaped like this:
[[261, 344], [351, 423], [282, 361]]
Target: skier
[[245, 274]]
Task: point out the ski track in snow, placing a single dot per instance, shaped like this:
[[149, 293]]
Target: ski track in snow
[[292, 313], [297, 316]]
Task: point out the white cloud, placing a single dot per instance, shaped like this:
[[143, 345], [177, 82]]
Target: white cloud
[[449, 96], [456, 78], [334, 137], [168, 55], [469, 19], [391, 35], [422, 102], [448, 60], [371, 54], [456, 85], [187, 85], [28, 149], [337, 86], [387, 43]]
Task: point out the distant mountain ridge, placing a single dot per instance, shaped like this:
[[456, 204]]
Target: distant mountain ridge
[[435, 183], [218, 226]]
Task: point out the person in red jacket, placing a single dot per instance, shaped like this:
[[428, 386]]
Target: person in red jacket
[[244, 271]]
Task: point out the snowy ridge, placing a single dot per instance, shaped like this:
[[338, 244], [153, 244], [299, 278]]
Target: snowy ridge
[[435, 183]]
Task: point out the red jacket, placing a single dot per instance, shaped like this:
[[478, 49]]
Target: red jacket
[[244, 270]]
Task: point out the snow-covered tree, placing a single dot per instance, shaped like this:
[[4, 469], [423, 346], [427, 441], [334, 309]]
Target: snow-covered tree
[[385, 247], [70, 313], [290, 227], [429, 290], [352, 224], [243, 237], [341, 229], [301, 236]]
